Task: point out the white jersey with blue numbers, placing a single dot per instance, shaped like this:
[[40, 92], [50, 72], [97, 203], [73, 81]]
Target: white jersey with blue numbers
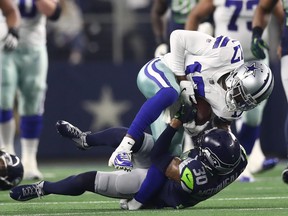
[[33, 24], [206, 59], [234, 19]]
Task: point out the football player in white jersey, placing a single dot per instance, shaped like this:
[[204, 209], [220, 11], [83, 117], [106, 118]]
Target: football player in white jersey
[[263, 10], [24, 74], [9, 23], [234, 19], [210, 65]]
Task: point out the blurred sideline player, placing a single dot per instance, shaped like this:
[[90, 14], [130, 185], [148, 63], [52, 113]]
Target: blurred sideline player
[[9, 24], [220, 159], [258, 46], [169, 15], [237, 24], [24, 75]]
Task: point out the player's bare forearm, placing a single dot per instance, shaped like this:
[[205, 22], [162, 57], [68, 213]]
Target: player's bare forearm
[[47, 7], [172, 171]]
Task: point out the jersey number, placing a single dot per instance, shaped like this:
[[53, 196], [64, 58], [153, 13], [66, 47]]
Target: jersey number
[[238, 7], [27, 8], [238, 54], [200, 176]]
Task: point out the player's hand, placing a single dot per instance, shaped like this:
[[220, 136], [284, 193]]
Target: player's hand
[[258, 46], [11, 40], [187, 92], [186, 113], [161, 50], [192, 129]]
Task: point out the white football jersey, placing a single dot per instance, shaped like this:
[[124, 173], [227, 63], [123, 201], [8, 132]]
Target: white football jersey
[[207, 59], [234, 19], [3, 28], [32, 29]]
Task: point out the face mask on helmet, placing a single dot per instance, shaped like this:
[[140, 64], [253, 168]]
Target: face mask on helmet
[[248, 85], [220, 150], [11, 171]]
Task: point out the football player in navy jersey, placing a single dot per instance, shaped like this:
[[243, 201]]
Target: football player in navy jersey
[[237, 23], [215, 163], [258, 46]]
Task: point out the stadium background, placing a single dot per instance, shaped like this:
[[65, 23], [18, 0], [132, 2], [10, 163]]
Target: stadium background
[[115, 39]]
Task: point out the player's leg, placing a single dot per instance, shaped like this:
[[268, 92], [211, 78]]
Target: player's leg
[[7, 98], [31, 107], [159, 86], [110, 184], [284, 79]]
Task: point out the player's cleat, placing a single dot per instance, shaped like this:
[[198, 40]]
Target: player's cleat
[[68, 130], [285, 175], [27, 192], [266, 165], [246, 177], [121, 160], [269, 164]]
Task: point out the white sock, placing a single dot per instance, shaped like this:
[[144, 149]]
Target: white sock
[[29, 148], [134, 205], [126, 144], [256, 158], [284, 74], [7, 132]]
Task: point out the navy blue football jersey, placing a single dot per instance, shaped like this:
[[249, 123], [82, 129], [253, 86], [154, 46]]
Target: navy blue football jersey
[[198, 183]]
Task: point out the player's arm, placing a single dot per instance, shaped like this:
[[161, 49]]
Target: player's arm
[[260, 21], [11, 13], [158, 9], [262, 13], [50, 8], [199, 13]]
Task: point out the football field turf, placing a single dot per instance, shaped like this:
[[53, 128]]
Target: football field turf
[[267, 196]]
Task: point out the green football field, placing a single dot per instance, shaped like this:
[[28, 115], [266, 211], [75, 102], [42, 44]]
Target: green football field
[[267, 196]]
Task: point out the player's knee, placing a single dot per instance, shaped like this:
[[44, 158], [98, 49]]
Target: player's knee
[[123, 188]]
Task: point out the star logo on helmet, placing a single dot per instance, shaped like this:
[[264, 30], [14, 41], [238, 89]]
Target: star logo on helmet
[[252, 68]]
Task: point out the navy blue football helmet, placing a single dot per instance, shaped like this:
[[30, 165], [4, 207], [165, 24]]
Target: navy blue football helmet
[[11, 171], [221, 151]]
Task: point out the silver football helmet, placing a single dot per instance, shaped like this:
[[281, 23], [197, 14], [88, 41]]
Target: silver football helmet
[[248, 85]]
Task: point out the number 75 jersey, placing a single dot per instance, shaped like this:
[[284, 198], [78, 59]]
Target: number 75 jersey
[[234, 19]]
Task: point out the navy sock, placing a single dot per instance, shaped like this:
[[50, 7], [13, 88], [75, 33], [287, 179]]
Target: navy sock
[[151, 185], [72, 185], [247, 136], [111, 137]]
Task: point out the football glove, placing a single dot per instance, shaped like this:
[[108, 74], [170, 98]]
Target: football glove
[[161, 50], [192, 129], [258, 45], [11, 40], [186, 113], [187, 91]]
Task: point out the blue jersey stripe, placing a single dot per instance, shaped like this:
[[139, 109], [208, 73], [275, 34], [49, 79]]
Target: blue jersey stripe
[[147, 72], [225, 41], [217, 42]]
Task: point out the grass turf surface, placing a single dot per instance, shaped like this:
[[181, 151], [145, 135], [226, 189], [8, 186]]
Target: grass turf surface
[[268, 195]]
